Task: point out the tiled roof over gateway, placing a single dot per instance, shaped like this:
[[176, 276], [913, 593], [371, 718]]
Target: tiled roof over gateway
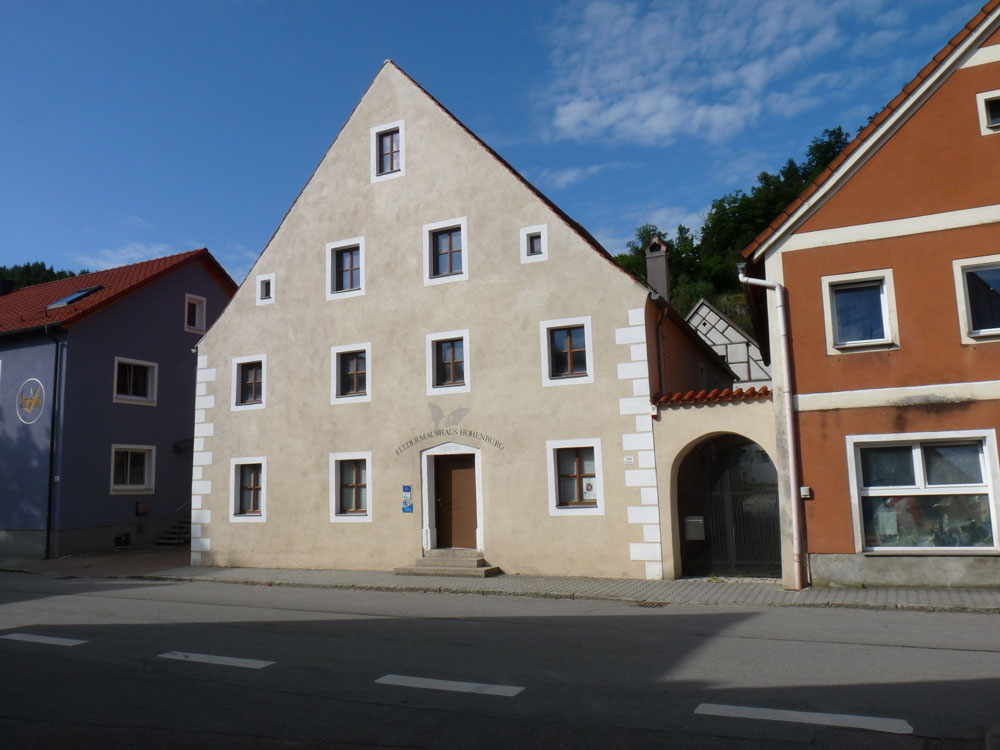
[[714, 396], [28, 308]]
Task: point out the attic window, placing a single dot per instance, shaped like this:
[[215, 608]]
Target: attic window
[[989, 112], [993, 113], [76, 296]]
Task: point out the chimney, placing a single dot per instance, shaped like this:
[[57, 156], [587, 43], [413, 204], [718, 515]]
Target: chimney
[[657, 273]]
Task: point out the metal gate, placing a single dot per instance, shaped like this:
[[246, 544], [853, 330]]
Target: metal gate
[[728, 502]]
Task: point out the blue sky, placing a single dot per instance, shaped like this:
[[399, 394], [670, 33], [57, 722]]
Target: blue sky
[[130, 130]]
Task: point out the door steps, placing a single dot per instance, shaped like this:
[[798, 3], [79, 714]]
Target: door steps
[[465, 563], [176, 535]]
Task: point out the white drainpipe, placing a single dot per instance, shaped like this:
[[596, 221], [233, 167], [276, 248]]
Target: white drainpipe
[[791, 437]]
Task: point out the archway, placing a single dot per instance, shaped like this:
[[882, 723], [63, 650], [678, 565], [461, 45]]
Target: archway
[[727, 495]]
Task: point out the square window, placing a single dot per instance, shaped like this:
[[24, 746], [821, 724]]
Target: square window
[[248, 489], [977, 289], [135, 382], [345, 268], [249, 384], [860, 311], [924, 491], [575, 477], [194, 313], [988, 103], [448, 362], [351, 487], [567, 351], [132, 469], [350, 373], [388, 151], [265, 289], [534, 243], [446, 257]]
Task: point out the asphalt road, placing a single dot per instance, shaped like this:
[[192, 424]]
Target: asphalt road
[[93, 663]]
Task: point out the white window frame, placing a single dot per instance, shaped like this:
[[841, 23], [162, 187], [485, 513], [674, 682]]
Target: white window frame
[[149, 486], [551, 446], [154, 381], [981, 99], [331, 254], [441, 390], [889, 324], [201, 319], [335, 352], [541, 229], [335, 459], [234, 487], [234, 394], [968, 334], [544, 327], [376, 131], [429, 229], [258, 281], [991, 481]]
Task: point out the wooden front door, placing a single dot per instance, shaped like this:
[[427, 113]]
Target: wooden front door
[[455, 500]]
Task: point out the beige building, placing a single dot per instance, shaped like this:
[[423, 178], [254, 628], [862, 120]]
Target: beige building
[[430, 354]]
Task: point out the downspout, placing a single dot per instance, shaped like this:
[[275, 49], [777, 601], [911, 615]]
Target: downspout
[[659, 350], [55, 435], [780, 304]]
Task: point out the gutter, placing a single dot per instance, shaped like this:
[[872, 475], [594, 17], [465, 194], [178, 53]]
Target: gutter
[[781, 308], [55, 435]]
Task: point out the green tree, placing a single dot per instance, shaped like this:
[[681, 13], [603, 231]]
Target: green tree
[[29, 274]]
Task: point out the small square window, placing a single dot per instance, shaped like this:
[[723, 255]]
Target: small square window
[[135, 382], [859, 311], [265, 289], [248, 489], [249, 384], [345, 268], [977, 288], [567, 351], [194, 313], [575, 477], [534, 243], [448, 362], [446, 252], [993, 113], [988, 103], [132, 469], [351, 373], [351, 487], [388, 151]]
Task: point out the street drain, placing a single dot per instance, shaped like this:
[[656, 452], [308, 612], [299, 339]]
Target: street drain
[[650, 605]]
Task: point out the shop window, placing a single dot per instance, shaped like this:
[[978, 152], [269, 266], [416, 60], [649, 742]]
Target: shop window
[[918, 493]]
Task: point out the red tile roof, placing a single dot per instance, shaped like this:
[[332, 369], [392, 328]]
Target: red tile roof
[[714, 396], [872, 126], [26, 308]]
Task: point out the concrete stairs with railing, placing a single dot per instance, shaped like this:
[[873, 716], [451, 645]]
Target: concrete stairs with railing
[[176, 535], [465, 563]]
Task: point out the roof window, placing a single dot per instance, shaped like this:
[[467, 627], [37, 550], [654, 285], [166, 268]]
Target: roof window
[[76, 296]]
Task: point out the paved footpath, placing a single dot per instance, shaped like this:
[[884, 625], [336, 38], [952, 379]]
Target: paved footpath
[[170, 564]]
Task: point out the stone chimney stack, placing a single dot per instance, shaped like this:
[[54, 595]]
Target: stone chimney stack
[[657, 272]]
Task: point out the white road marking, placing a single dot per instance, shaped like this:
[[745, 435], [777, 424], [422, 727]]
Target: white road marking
[[871, 723], [507, 691], [46, 639], [227, 661]]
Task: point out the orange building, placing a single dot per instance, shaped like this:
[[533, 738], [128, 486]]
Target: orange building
[[886, 392]]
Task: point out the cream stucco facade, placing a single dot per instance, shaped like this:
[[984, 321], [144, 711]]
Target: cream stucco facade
[[509, 413]]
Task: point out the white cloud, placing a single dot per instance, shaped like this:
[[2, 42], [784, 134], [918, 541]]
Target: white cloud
[[133, 252], [704, 68], [562, 178]]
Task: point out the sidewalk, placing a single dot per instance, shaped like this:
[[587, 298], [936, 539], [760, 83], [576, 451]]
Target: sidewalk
[[171, 564]]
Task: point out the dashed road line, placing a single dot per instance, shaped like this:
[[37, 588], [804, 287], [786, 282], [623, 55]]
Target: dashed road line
[[48, 640], [871, 723], [227, 661], [424, 683]]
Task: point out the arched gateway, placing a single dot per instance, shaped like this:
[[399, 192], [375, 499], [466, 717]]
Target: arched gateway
[[727, 498]]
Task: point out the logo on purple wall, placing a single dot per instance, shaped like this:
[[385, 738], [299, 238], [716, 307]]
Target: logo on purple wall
[[30, 401]]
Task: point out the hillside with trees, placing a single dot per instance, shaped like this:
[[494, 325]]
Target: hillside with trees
[[703, 264], [17, 277]]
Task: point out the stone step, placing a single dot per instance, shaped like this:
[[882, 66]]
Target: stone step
[[441, 570], [451, 562], [452, 552]]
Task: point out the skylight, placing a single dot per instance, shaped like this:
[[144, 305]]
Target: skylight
[[76, 296]]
